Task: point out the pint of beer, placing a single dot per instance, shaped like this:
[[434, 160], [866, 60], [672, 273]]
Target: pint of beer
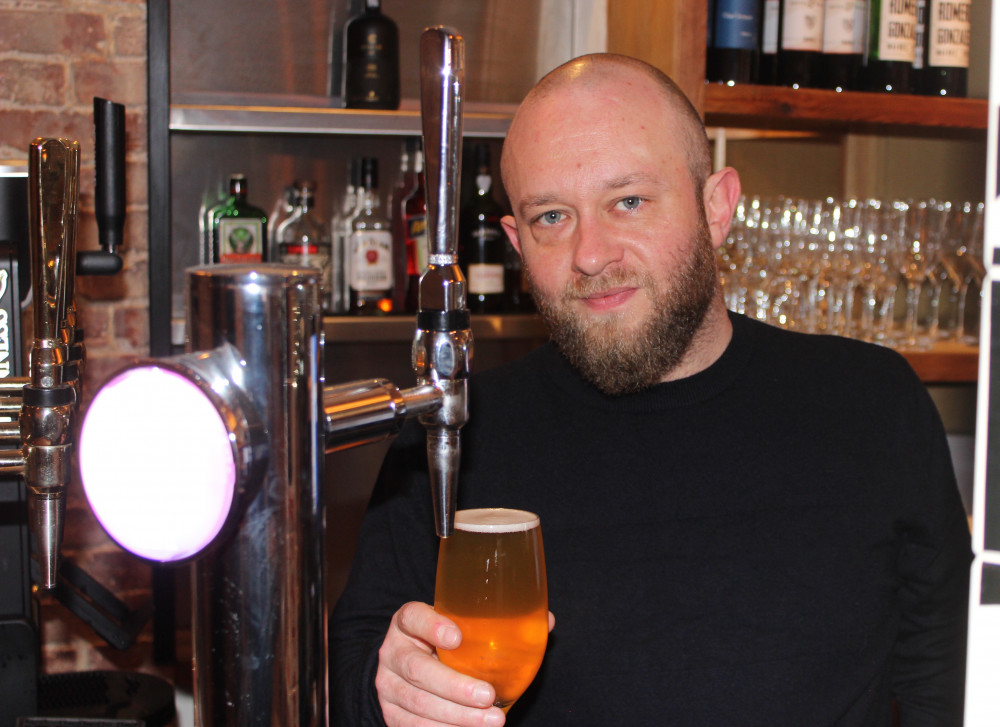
[[491, 582]]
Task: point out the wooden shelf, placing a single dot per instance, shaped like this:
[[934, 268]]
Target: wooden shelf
[[946, 363], [749, 106]]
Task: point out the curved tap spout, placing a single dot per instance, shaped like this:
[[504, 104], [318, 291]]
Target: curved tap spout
[[442, 347]]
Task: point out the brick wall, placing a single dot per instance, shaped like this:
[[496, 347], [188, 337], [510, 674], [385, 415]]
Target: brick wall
[[55, 57]]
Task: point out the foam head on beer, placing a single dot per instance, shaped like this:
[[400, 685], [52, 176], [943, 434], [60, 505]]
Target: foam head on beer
[[157, 464], [495, 520]]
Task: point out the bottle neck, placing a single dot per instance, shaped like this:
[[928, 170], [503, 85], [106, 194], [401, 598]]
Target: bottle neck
[[373, 7]]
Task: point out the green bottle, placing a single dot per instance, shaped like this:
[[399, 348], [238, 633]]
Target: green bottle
[[239, 229]]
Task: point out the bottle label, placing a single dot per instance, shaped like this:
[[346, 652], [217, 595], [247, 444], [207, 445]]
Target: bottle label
[[897, 31], [240, 240], [416, 240], [736, 24], [371, 260], [485, 279], [769, 39], [803, 25], [842, 33], [949, 29]]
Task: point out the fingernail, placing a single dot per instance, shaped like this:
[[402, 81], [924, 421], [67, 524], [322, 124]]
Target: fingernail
[[494, 718], [449, 637], [482, 695]]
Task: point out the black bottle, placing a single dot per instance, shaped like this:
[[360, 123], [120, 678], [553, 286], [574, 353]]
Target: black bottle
[[945, 66], [734, 48], [844, 25], [892, 41], [481, 240], [371, 60], [800, 43]]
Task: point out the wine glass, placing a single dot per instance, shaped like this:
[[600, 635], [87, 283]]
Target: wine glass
[[491, 582]]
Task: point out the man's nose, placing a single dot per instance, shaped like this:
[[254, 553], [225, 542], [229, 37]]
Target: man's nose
[[595, 247]]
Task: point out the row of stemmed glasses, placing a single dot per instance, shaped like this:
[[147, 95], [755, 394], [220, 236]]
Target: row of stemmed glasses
[[902, 273]]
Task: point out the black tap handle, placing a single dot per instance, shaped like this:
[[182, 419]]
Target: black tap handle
[[109, 193]]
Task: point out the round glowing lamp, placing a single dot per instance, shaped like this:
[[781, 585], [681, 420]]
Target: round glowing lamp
[[161, 461]]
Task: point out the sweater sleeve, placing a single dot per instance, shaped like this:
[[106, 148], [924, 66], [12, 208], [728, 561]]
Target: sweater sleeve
[[933, 567], [394, 564]]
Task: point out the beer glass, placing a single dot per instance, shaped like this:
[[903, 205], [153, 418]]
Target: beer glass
[[491, 582]]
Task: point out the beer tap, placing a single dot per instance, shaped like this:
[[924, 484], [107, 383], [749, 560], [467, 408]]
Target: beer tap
[[49, 397], [442, 346]]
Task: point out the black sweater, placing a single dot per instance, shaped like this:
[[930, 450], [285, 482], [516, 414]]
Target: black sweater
[[777, 540]]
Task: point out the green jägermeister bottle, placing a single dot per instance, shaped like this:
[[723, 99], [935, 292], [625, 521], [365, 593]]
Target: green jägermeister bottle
[[239, 229]]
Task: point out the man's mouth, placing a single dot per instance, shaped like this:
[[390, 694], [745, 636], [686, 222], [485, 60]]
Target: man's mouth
[[609, 299]]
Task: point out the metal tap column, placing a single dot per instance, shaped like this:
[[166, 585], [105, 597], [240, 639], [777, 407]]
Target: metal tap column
[[442, 347], [259, 612]]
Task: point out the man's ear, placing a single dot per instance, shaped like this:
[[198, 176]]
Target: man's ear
[[510, 227], [721, 195]]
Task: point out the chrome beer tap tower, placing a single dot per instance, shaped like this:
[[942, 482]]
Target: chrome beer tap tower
[[47, 401], [241, 424]]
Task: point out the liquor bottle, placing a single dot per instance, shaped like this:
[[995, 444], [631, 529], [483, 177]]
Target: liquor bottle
[[767, 72], [734, 50], [282, 210], [415, 233], [371, 60], [892, 40], [340, 231], [239, 229], [304, 240], [405, 184], [800, 43], [945, 64], [844, 24], [370, 249], [481, 240]]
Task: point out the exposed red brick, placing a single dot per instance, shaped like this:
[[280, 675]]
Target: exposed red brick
[[18, 127], [44, 31], [122, 81], [129, 37], [132, 327], [31, 83]]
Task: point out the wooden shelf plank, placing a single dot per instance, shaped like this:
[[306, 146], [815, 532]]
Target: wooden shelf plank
[[946, 363], [769, 107]]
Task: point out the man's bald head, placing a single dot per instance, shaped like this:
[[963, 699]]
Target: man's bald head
[[598, 69]]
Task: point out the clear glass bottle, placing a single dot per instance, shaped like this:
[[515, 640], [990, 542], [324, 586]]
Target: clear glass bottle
[[304, 240], [239, 229], [370, 249], [340, 231]]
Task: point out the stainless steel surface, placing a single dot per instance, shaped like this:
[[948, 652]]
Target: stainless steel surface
[[371, 410], [261, 116], [46, 417], [259, 613], [442, 346]]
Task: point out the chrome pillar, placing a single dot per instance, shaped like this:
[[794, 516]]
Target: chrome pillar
[[259, 612]]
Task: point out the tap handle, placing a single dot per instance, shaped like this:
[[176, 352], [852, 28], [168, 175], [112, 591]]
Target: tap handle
[[109, 191], [442, 75], [53, 177]]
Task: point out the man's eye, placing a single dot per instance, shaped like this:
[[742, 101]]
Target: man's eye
[[630, 203], [550, 218]]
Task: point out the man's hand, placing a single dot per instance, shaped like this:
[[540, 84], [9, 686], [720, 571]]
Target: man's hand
[[414, 688]]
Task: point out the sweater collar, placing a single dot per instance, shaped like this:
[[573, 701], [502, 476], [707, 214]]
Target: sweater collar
[[681, 392]]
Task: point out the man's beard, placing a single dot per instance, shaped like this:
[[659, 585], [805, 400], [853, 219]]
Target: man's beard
[[618, 358]]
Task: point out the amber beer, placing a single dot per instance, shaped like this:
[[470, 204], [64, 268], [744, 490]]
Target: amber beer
[[491, 582]]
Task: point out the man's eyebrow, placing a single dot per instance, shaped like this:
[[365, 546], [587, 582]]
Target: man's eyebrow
[[537, 200]]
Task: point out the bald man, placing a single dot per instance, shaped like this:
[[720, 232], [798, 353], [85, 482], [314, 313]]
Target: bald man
[[743, 526]]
